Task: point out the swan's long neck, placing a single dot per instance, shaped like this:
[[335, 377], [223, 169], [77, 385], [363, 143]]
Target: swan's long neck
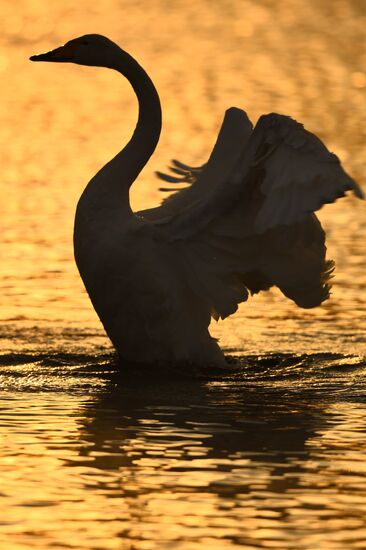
[[109, 188]]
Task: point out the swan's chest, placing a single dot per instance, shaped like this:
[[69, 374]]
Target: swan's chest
[[109, 248], [121, 265]]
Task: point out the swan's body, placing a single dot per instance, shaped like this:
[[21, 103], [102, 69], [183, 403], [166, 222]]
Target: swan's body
[[245, 224]]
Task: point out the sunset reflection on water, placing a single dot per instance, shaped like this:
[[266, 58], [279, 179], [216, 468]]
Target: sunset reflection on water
[[273, 459]]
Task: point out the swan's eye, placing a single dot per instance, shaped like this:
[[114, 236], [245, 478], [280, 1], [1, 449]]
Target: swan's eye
[[85, 43]]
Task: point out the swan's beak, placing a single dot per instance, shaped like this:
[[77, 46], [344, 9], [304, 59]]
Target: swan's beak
[[59, 55]]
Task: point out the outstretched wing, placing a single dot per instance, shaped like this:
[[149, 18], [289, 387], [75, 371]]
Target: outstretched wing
[[288, 169], [247, 220]]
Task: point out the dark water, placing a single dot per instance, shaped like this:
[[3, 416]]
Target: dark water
[[95, 456]]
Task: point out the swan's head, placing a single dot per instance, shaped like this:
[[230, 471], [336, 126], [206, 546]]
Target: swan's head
[[90, 49]]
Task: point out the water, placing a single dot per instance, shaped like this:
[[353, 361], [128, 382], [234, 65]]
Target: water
[[269, 456]]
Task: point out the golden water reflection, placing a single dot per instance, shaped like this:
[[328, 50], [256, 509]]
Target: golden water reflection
[[60, 123], [147, 467], [273, 458]]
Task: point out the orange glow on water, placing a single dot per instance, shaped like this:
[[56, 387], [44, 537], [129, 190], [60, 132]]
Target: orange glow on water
[[88, 471], [61, 123]]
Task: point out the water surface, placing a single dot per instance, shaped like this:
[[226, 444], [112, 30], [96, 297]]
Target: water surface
[[269, 456]]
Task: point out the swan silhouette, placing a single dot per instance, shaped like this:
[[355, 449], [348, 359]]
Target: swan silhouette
[[244, 223]]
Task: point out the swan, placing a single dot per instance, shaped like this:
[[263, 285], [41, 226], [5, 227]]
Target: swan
[[244, 223]]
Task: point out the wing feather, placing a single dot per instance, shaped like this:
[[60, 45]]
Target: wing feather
[[300, 174], [246, 222], [231, 141], [297, 176]]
